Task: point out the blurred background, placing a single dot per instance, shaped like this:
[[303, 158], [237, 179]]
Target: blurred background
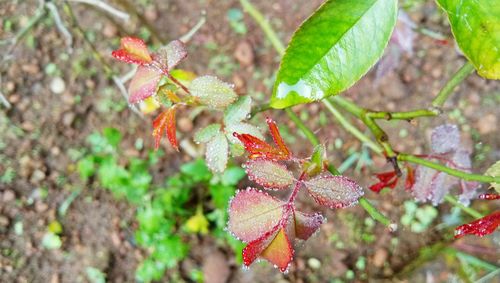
[[85, 198]]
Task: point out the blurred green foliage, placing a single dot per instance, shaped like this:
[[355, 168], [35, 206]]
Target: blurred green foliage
[[190, 201]]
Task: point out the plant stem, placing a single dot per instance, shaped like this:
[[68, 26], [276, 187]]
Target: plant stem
[[307, 132], [472, 212], [264, 25], [351, 128], [374, 213], [450, 171], [455, 80]]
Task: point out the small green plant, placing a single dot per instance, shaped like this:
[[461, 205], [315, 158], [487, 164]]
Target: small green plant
[[191, 201]]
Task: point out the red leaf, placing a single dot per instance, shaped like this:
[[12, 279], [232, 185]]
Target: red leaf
[[386, 180], [144, 84], [307, 224], [269, 174], [480, 227], [489, 196], [278, 140], [334, 191], [133, 50], [258, 148], [378, 187], [410, 178], [253, 213], [165, 122], [386, 176], [274, 247]]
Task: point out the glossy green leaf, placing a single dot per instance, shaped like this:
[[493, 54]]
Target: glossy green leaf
[[476, 27], [333, 49]]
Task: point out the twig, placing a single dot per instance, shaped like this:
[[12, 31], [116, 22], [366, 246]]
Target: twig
[[351, 128], [124, 93], [60, 26], [106, 7], [187, 37], [264, 25], [450, 85], [2, 97]]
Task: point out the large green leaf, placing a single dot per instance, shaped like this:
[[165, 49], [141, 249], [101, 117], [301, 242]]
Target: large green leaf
[[476, 27], [333, 49]]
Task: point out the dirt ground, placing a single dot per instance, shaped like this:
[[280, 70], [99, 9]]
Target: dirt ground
[[59, 97]]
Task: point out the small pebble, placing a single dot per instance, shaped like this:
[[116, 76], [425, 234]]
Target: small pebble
[[57, 85]]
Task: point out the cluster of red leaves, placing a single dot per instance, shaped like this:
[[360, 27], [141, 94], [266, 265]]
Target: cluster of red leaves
[[270, 226], [258, 148], [390, 180], [482, 226], [145, 82]]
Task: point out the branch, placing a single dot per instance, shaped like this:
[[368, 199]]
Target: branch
[[106, 7], [264, 25], [450, 171], [450, 85]]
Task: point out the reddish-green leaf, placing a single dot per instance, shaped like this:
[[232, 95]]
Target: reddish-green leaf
[[172, 54], [144, 84], [260, 149], [253, 213], [165, 122], [133, 50], [275, 247], [480, 227], [269, 174], [307, 224], [334, 191]]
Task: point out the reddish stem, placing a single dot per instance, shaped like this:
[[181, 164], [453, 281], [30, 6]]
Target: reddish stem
[[296, 189]]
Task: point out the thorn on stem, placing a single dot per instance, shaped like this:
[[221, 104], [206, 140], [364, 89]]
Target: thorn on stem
[[394, 161]]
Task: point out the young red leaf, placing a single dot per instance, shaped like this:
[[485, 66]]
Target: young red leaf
[[144, 84], [258, 148], [274, 246], [172, 54], [278, 140], [133, 50], [165, 122], [479, 227], [386, 180], [410, 178], [280, 251], [253, 213], [307, 224], [334, 191], [269, 174], [489, 196]]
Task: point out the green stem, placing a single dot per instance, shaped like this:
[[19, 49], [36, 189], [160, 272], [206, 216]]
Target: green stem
[[351, 128], [264, 25], [472, 212], [454, 81], [374, 213], [450, 171], [305, 130], [406, 115]]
